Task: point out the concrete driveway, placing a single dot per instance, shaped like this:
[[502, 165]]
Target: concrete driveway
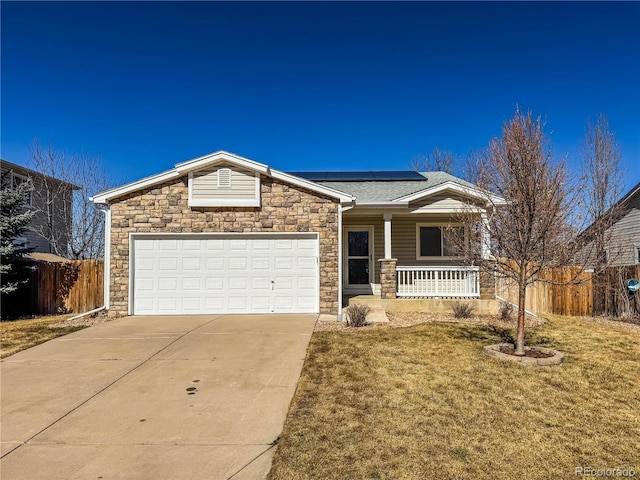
[[200, 397]]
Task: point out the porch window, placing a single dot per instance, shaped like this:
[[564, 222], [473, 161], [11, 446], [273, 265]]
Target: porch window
[[437, 241]]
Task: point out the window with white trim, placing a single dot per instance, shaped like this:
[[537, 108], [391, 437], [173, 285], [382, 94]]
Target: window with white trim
[[438, 240], [16, 180], [637, 251]]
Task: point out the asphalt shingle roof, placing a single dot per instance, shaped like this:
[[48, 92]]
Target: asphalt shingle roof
[[382, 191]]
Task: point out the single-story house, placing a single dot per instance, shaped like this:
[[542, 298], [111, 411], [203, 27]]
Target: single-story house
[[225, 234]]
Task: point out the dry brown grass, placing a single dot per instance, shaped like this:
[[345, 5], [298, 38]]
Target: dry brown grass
[[17, 335], [424, 402]]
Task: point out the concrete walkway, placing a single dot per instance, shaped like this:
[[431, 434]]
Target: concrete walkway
[[200, 397]]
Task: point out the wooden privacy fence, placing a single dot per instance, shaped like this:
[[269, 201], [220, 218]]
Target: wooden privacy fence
[[553, 294], [75, 287], [588, 294], [611, 296]]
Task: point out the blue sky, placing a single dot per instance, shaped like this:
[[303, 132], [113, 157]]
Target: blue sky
[[312, 86]]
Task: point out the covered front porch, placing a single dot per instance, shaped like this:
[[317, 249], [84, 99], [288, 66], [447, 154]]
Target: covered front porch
[[402, 254]]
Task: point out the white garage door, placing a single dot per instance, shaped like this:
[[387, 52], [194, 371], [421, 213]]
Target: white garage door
[[225, 273]]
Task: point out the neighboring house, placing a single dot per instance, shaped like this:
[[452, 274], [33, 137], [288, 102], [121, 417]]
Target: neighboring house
[[61, 209], [225, 234], [623, 238]]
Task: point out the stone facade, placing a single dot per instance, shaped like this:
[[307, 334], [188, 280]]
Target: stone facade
[[487, 284], [163, 208], [388, 277]]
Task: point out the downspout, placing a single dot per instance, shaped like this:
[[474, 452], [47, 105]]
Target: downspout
[[107, 255], [107, 265], [341, 209]]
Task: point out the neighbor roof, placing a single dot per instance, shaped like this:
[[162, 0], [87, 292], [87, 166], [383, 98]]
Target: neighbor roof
[[19, 169], [370, 190]]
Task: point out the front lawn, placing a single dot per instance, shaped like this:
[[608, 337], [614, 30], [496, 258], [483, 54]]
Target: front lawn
[[424, 402], [17, 335]]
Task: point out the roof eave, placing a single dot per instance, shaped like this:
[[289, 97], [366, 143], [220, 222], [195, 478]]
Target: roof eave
[[183, 168], [457, 187]]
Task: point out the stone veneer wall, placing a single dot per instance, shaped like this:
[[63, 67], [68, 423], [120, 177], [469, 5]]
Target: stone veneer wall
[[163, 208], [388, 278], [487, 285]]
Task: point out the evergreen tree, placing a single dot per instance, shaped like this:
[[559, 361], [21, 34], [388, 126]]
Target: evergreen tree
[[14, 218]]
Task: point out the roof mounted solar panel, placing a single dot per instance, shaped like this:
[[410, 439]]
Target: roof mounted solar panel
[[365, 176]]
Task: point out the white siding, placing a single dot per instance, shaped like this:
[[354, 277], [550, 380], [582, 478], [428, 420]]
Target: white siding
[[444, 203], [205, 184]]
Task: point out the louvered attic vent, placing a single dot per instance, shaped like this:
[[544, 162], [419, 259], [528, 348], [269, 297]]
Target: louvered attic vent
[[224, 178]]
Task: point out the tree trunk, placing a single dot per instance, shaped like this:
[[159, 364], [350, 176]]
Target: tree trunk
[[522, 295]]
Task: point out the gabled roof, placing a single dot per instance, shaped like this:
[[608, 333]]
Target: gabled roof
[[370, 191], [27, 172], [213, 159], [616, 211]]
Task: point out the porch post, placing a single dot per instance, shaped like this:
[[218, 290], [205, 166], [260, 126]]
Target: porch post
[[484, 233], [387, 235], [388, 277]]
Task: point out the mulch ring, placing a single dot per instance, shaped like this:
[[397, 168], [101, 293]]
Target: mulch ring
[[510, 350], [409, 319]]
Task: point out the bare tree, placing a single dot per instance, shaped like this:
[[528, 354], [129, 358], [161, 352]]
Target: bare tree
[[471, 167], [531, 231], [600, 162], [436, 161], [68, 220]]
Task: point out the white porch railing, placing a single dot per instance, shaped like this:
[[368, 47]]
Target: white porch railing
[[438, 281]]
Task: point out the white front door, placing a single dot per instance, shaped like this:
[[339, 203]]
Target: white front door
[[225, 273], [358, 262]]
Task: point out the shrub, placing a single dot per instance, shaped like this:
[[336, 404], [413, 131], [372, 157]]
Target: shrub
[[506, 311], [462, 309], [357, 315]]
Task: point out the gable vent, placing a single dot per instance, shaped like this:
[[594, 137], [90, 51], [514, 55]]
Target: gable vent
[[224, 178]]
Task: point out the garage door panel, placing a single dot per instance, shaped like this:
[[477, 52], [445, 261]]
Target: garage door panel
[[254, 274], [215, 263], [168, 284], [283, 263], [260, 283], [283, 283], [167, 244], [192, 263], [307, 263], [143, 264], [168, 264], [237, 263], [146, 284], [192, 304], [237, 244], [169, 304], [237, 283], [260, 303], [238, 304], [306, 303], [191, 244], [190, 284], [260, 263], [214, 283], [214, 304]]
